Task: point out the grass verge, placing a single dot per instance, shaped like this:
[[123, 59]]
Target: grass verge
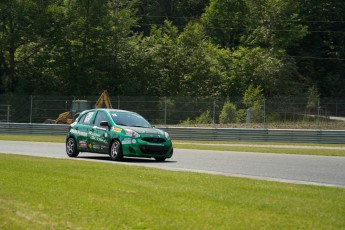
[[43, 193], [38, 138], [278, 150]]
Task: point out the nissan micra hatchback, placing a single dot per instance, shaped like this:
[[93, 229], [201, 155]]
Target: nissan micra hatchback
[[118, 133]]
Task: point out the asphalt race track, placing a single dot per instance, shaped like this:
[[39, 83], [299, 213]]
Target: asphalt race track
[[314, 170]]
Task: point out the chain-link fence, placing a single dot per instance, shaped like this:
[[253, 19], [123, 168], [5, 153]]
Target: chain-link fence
[[318, 113]]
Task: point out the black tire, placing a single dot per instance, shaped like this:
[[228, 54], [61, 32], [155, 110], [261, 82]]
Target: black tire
[[160, 159], [115, 151], [71, 147]]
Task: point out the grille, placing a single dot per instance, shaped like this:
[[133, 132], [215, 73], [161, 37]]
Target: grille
[[146, 149], [154, 139]]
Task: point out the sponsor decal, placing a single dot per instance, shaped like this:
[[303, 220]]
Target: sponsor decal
[[90, 146], [97, 137], [117, 130], [80, 133], [126, 141], [94, 134], [82, 144], [96, 147]]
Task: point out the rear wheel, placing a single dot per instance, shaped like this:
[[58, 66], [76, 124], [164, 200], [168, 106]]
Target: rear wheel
[[116, 151], [71, 147]]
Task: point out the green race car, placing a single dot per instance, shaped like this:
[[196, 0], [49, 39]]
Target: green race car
[[118, 133]]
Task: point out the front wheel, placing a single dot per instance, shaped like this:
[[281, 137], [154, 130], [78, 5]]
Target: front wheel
[[116, 151], [71, 147]]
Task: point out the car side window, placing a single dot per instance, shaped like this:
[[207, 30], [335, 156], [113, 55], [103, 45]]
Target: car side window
[[101, 116], [86, 118], [81, 120]]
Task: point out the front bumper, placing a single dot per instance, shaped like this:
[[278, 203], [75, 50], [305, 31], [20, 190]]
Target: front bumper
[[136, 147]]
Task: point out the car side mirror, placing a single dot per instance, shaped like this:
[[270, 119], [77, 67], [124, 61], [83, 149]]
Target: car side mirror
[[105, 123]]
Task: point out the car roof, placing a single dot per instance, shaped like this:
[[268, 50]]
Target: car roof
[[112, 110]]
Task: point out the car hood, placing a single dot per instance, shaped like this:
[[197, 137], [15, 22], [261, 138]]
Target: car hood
[[142, 130]]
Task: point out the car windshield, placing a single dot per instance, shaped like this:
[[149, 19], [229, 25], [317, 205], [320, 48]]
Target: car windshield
[[130, 119]]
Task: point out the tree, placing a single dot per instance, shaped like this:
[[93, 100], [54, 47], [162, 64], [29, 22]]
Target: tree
[[201, 65], [21, 25], [320, 55], [87, 48], [272, 71], [254, 100], [224, 21], [228, 114], [153, 61], [273, 24], [313, 99], [178, 12]]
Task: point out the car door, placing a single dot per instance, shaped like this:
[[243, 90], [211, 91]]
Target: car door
[[82, 129], [100, 134]]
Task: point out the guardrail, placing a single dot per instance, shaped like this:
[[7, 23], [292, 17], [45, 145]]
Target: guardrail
[[35, 129], [193, 133]]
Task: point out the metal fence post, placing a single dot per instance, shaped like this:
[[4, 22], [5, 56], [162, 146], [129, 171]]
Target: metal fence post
[[214, 111], [8, 113], [336, 108], [318, 112], [264, 111], [31, 99], [165, 110], [118, 102]]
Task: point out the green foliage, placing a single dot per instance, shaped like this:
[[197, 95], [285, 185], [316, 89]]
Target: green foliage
[[254, 99], [197, 62], [313, 99], [265, 68], [223, 19], [228, 113], [274, 23], [153, 61], [202, 119], [324, 44], [171, 48], [155, 12]]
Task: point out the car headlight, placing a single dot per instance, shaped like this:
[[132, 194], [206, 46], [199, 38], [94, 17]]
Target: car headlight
[[131, 133], [167, 135]]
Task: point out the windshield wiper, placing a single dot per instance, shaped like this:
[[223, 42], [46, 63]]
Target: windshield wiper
[[121, 124]]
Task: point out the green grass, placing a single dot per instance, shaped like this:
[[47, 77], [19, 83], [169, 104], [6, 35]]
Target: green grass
[[43, 193], [313, 151], [39, 138], [195, 145], [255, 143]]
